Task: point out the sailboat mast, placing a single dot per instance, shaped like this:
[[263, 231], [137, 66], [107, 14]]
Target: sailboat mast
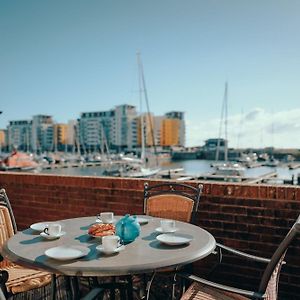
[[143, 81], [224, 117], [141, 109], [226, 122]]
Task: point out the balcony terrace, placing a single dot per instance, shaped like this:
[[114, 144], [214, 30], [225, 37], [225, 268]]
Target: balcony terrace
[[251, 218]]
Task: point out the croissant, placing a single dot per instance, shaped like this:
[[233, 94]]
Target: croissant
[[102, 230]]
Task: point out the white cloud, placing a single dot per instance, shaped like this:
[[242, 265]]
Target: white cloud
[[257, 128]]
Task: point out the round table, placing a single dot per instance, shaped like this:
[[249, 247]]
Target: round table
[[145, 254]]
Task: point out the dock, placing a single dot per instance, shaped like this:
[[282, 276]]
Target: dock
[[82, 164], [262, 178], [293, 166], [179, 175]]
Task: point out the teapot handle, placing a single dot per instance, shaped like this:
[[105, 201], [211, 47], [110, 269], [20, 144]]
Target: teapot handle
[[122, 231]]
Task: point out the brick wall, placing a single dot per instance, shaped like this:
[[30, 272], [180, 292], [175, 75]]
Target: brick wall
[[251, 218]]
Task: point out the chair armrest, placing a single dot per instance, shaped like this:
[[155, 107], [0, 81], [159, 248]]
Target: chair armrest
[[243, 254], [221, 286]]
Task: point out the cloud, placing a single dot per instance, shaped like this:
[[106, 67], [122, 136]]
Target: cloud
[[252, 115], [257, 128]]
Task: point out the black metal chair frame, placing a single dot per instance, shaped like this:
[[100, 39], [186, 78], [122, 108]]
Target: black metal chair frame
[[275, 262], [181, 189], [173, 188]]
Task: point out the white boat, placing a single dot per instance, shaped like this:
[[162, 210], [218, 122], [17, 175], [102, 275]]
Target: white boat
[[143, 173], [230, 169]]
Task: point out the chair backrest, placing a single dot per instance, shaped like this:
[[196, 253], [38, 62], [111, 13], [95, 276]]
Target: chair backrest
[[8, 225], [4, 202], [175, 201], [270, 279]]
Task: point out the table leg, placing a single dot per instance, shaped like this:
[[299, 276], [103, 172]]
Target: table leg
[[74, 287], [113, 289], [53, 287], [129, 288]]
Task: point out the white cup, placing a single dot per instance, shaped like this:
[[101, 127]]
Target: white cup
[[167, 225], [53, 229], [110, 243], [107, 217]]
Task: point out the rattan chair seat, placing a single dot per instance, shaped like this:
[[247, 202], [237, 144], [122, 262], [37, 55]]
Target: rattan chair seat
[[198, 291], [22, 279]]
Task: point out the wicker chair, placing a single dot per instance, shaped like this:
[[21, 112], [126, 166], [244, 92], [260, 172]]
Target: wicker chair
[[268, 288], [15, 279], [175, 201]]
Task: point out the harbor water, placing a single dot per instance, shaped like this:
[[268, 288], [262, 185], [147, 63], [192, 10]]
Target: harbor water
[[190, 167]]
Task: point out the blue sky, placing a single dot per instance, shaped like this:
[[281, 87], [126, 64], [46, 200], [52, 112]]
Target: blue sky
[[64, 57]]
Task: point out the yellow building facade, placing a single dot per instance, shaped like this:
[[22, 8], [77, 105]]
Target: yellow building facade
[[2, 138], [60, 134], [170, 132]]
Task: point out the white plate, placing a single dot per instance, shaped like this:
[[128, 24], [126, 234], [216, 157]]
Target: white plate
[[174, 239], [142, 220], [52, 237], [39, 226], [67, 252], [120, 248], [160, 230]]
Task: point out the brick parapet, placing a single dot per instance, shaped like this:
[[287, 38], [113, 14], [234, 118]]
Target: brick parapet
[[251, 218]]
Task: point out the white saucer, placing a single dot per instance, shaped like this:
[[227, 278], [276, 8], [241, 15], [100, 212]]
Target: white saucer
[[42, 225], [174, 239], [160, 230], [67, 252], [52, 237], [39, 226], [120, 248]]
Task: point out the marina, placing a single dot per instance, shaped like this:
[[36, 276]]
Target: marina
[[185, 170], [121, 165]]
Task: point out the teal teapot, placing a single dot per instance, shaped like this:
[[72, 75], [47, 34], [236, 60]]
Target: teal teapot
[[128, 229]]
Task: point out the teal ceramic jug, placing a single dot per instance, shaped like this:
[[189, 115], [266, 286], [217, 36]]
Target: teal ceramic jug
[[128, 229]]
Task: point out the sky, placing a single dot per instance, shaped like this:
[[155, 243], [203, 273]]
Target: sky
[[64, 57]]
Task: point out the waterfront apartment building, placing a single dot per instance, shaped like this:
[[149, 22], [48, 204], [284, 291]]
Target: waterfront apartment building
[[124, 134], [95, 130], [42, 133], [60, 135], [117, 129], [210, 148], [172, 129], [20, 135], [166, 131]]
